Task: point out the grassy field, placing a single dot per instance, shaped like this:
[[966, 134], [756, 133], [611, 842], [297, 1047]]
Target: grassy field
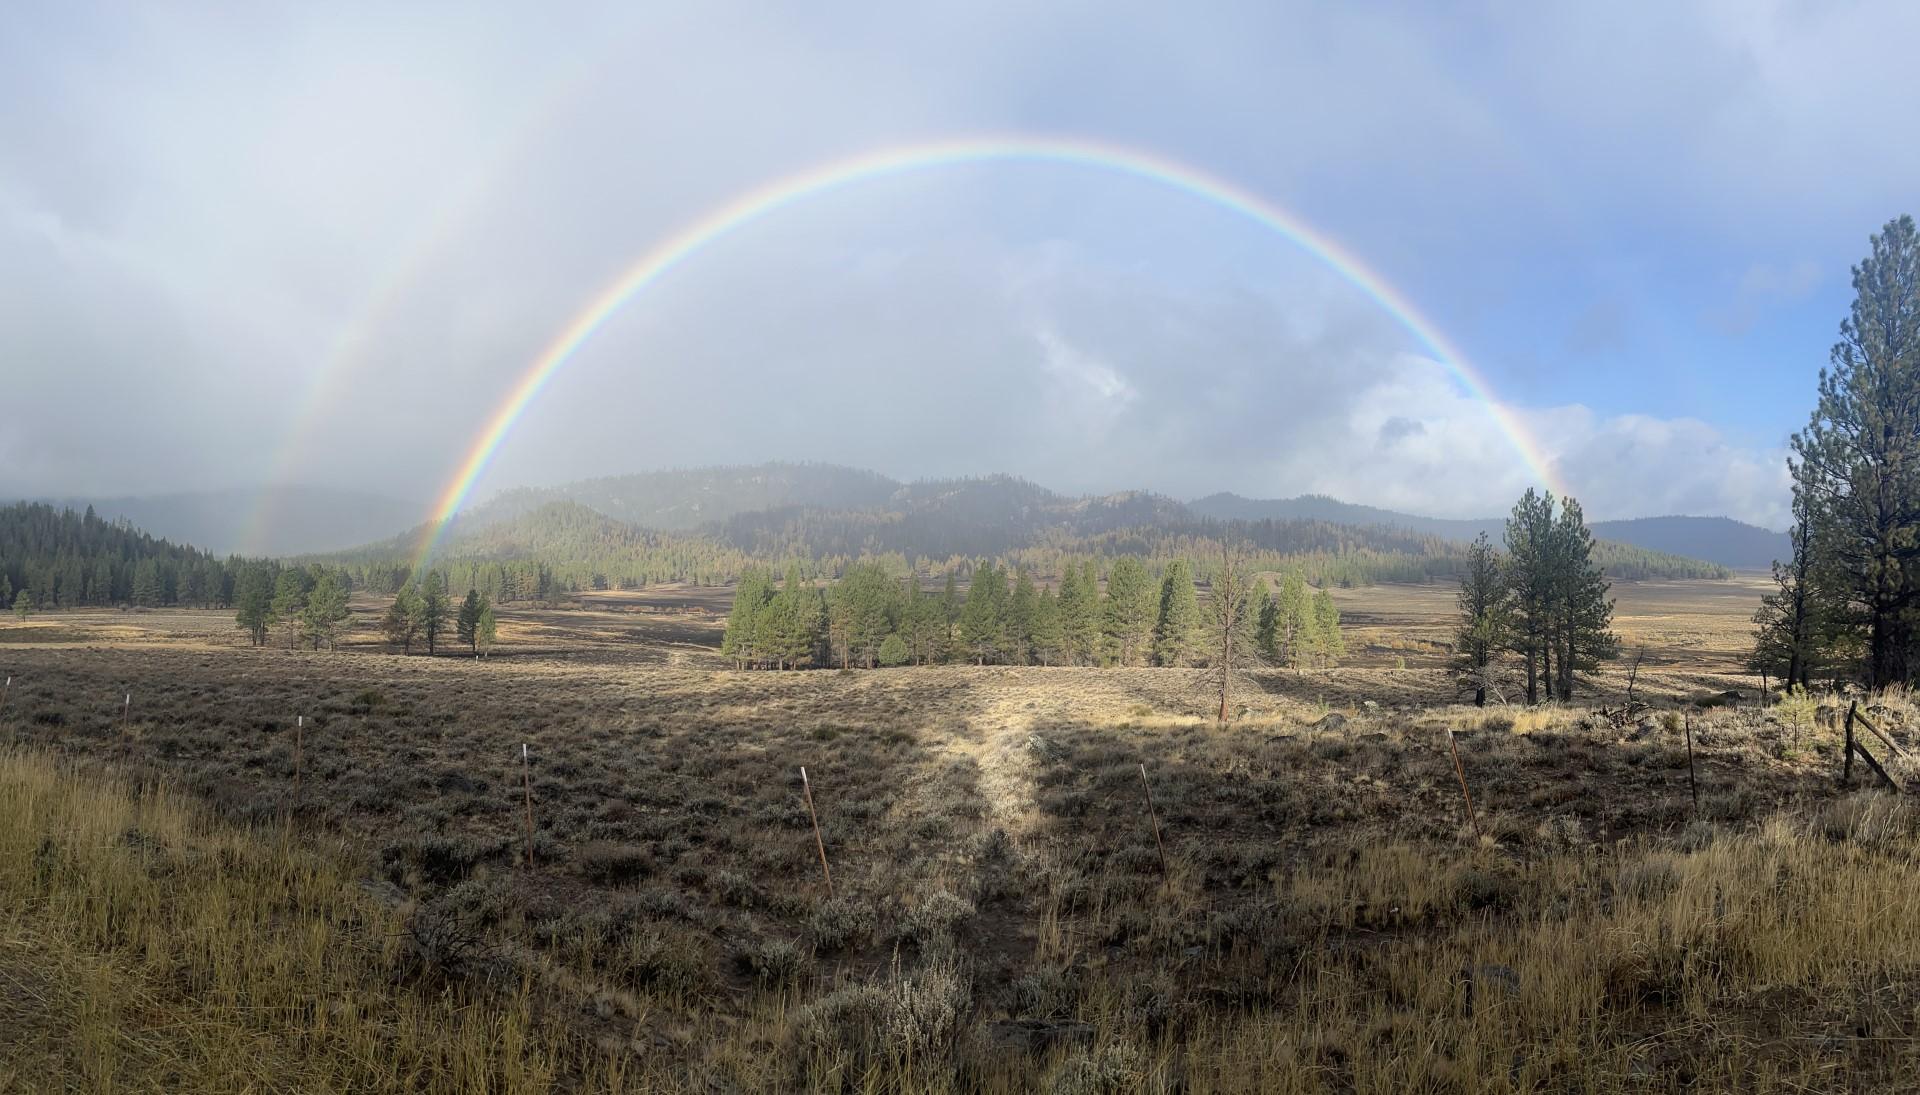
[[1307, 908]]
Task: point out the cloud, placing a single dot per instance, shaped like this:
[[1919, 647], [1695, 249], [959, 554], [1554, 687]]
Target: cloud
[[367, 221]]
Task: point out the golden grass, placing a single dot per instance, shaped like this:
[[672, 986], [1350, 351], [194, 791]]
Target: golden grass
[[149, 948]]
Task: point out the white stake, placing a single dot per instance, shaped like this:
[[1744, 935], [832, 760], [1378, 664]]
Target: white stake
[[526, 771]]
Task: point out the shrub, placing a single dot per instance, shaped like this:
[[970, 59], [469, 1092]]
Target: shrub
[[609, 862], [841, 922]]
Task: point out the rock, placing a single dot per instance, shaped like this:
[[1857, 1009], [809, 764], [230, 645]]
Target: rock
[[1370, 706], [1037, 1036], [1331, 721], [1042, 748]]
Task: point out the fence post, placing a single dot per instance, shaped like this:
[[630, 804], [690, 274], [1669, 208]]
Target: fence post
[[1460, 770], [819, 844], [1693, 784], [1846, 767], [1154, 816]]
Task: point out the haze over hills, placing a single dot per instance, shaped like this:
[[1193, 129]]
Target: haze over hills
[[289, 520], [707, 522], [827, 509], [1722, 540]]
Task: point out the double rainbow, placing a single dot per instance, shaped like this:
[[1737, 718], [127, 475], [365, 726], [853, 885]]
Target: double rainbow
[[775, 196]]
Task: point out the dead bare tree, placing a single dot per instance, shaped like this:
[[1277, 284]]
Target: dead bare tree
[[1234, 600]]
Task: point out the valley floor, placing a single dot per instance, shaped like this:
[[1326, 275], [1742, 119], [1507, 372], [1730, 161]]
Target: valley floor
[[1307, 904]]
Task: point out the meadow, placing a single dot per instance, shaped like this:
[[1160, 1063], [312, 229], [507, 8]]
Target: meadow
[[1306, 905]]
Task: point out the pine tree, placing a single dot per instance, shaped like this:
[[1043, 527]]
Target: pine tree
[[401, 623], [1582, 613], [6, 591], [893, 651], [1049, 637], [1530, 576], [1267, 634], [983, 616], [1178, 618], [1295, 618], [1857, 472], [1786, 640], [486, 631], [1023, 608], [751, 593], [146, 583], [1486, 619], [1074, 611], [1130, 610], [253, 602], [23, 605], [289, 601], [325, 612], [467, 623], [435, 609], [950, 608], [1329, 643]]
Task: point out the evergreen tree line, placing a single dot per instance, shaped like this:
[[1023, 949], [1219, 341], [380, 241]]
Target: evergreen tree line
[[422, 611], [877, 615], [295, 605], [1847, 602], [1543, 604], [56, 558]]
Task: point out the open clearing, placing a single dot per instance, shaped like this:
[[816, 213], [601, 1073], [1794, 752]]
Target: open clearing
[[1000, 919]]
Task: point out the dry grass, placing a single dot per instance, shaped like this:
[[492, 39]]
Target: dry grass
[[1000, 919], [150, 947]]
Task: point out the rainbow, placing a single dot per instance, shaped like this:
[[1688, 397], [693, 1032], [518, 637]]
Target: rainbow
[[775, 196]]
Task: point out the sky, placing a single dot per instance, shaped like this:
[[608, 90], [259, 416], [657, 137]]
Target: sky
[[253, 244]]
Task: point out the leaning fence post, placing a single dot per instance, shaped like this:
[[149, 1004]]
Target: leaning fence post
[[819, 844], [1460, 770], [1693, 785], [526, 776], [1154, 816], [1846, 767]]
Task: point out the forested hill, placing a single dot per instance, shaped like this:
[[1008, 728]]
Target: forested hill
[[680, 499], [1721, 540], [60, 558], [940, 524]]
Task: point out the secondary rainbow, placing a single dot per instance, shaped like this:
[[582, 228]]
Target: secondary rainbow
[[772, 197]]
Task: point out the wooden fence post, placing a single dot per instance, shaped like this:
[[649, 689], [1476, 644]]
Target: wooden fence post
[[819, 844], [1460, 770], [126, 710], [1693, 784], [1154, 816], [1846, 766]]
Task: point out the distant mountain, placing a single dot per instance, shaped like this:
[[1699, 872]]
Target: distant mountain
[[1717, 539], [686, 498], [1722, 540], [1319, 507], [294, 520], [829, 513]]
